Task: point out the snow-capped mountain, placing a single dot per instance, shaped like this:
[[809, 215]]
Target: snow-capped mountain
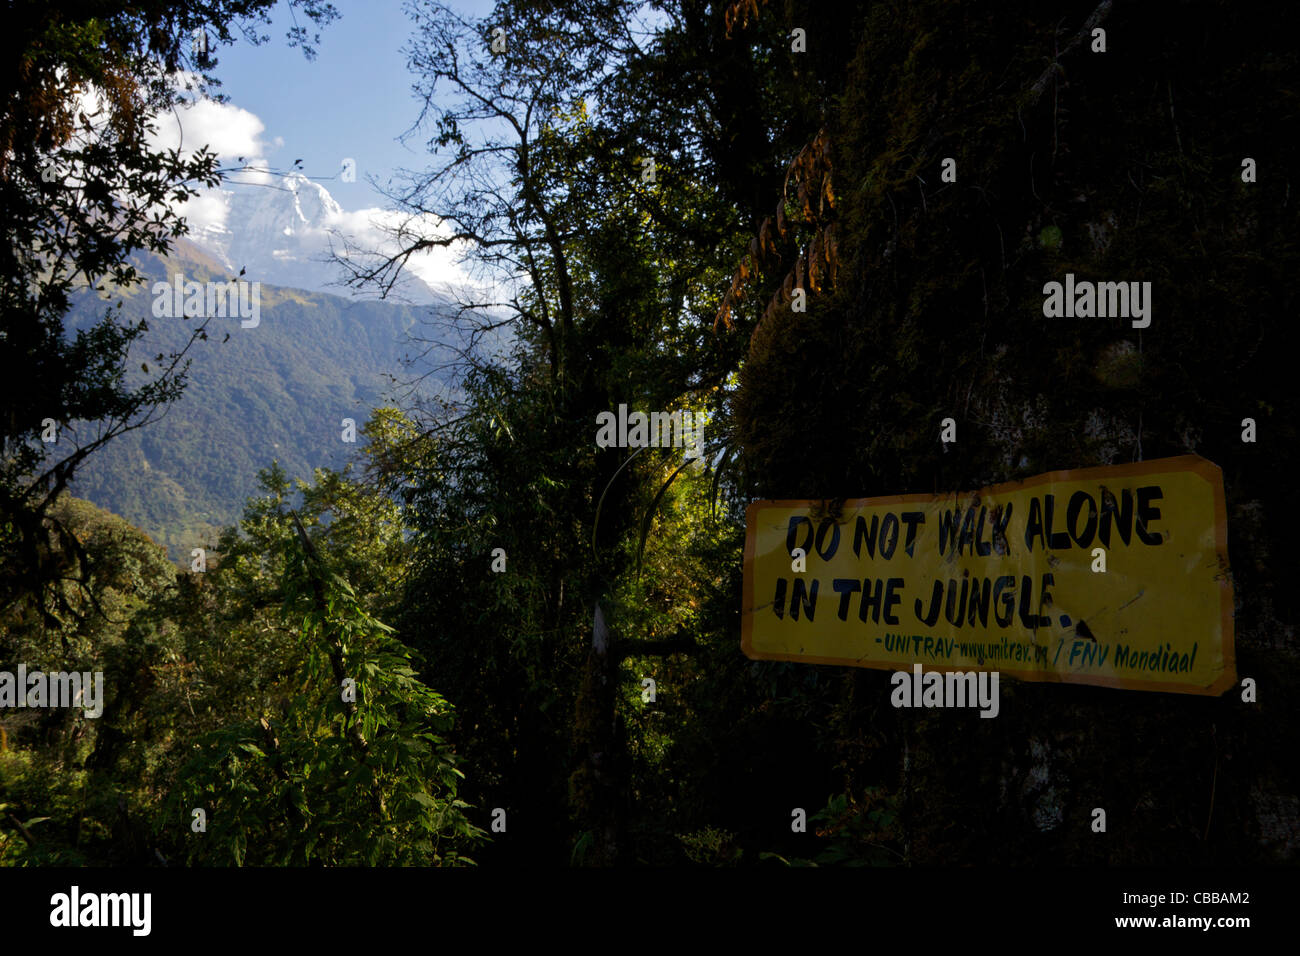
[[281, 232]]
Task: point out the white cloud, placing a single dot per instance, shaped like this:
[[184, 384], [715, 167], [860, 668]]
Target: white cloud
[[438, 266], [228, 220], [208, 213], [229, 131]]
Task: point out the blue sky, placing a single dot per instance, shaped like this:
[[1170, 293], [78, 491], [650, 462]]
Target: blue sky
[[354, 100]]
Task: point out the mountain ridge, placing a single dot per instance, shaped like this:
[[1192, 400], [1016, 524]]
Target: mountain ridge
[[275, 392], [287, 227]]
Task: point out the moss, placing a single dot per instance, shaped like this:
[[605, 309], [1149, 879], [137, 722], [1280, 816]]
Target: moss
[[938, 312]]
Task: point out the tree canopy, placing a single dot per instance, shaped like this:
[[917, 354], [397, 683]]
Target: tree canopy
[[544, 630]]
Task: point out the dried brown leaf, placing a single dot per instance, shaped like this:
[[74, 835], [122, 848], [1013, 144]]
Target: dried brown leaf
[[816, 263], [765, 243]]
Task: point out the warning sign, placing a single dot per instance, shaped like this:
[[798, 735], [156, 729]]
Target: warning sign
[[1115, 576]]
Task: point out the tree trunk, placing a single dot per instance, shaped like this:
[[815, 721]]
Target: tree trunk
[[596, 788]]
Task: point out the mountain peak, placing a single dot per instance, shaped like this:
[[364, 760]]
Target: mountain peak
[[312, 204], [280, 233]]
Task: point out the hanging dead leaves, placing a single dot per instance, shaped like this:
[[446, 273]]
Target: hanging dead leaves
[[740, 12], [800, 229]]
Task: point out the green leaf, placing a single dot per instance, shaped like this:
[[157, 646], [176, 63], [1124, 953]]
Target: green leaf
[[595, 524], [717, 477], [650, 513]]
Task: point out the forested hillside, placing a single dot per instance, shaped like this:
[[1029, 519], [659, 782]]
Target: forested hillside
[[492, 638], [278, 391]]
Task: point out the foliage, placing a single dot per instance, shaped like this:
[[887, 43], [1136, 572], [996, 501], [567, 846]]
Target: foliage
[[622, 567], [1109, 167], [857, 833], [711, 847], [52, 762], [279, 392], [327, 783], [82, 190], [204, 657]]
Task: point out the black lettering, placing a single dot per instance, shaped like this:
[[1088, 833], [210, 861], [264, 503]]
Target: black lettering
[[1045, 600], [871, 599], [979, 603], [1110, 513], [888, 536], [967, 541], [860, 534], [1034, 526], [801, 595], [1077, 501], [1004, 600], [891, 598], [1147, 514], [912, 519], [835, 538], [982, 548], [1001, 518], [1030, 621], [948, 528], [791, 535], [845, 587], [929, 619], [1056, 540]]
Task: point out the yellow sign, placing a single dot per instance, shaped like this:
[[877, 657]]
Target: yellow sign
[[1115, 576]]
